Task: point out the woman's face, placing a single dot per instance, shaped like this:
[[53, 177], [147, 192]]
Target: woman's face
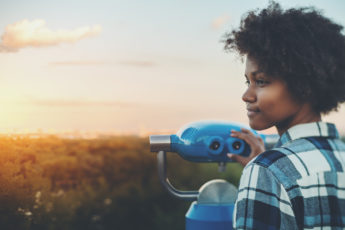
[[269, 103]]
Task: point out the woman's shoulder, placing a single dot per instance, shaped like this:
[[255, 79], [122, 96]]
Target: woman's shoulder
[[302, 157]]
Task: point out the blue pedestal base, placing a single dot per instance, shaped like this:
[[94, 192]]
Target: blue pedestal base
[[209, 216]]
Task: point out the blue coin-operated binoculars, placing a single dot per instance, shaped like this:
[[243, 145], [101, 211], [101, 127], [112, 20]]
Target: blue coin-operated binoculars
[[205, 141]]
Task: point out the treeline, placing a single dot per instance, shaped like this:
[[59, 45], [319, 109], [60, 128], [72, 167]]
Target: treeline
[[47, 182]]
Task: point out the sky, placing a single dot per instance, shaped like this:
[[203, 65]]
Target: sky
[[126, 67]]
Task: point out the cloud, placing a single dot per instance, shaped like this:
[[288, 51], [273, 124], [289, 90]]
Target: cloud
[[75, 103], [5, 49], [34, 33], [220, 21], [138, 63], [78, 63], [132, 63]]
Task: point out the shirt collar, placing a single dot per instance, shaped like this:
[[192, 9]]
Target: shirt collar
[[314, 129]]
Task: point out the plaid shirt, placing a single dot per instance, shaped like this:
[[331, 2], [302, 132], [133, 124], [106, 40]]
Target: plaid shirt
[[298, 184]]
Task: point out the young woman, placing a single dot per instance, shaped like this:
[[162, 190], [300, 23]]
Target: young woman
[[295, 72]]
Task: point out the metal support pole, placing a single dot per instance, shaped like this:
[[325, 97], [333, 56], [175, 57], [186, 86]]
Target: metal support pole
[[162, 172]]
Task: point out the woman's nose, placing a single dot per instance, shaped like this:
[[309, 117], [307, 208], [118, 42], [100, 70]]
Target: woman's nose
[[249, 95]]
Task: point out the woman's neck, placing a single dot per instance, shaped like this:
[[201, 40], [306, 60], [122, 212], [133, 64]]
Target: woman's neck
[[305, 115]]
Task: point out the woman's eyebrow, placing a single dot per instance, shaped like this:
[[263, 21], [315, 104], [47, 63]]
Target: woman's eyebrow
[[256, 72]]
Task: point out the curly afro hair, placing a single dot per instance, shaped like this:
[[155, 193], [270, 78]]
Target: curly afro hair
[[300, 46]]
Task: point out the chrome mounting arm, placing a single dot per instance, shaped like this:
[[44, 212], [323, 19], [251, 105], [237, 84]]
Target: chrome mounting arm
[[162, 172]]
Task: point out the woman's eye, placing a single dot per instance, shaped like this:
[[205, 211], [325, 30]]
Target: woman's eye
[[247, 82], [260, 82]]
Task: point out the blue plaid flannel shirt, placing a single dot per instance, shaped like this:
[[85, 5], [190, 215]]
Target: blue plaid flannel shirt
[[298, 184]]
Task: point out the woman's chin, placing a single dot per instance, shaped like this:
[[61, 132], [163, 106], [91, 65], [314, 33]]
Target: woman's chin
[[258, 126]]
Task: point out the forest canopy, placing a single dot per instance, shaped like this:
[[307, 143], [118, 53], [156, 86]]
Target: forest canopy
[[49, 182]]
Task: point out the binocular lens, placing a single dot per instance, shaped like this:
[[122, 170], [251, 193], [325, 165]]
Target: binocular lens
[[236, 145], [215, 145]]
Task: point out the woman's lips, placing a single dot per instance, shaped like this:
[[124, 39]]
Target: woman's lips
[[252, 112]]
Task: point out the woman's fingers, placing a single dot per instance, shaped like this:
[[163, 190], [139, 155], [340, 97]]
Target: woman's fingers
[[249, 138], [255, 142], [260, 140]]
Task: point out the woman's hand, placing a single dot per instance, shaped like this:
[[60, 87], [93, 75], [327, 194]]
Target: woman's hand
[[255, 142]]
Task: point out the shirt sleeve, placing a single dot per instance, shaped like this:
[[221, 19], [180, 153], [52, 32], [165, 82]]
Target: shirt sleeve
[[262, 202]]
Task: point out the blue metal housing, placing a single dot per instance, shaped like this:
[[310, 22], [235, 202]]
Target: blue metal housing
[[209, 141]]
